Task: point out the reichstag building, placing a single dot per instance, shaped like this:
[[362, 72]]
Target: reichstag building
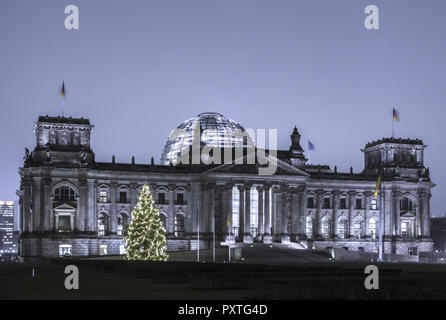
[[70, 204]]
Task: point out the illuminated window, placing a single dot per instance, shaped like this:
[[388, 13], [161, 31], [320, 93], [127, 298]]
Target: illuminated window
[[373, 204], [179, 225], [102, 224], [357, 227], [372, 228], [122, 249], [342, 228], [65, 250], [309, 227], [102, 196], [103, 249], [326, 227]]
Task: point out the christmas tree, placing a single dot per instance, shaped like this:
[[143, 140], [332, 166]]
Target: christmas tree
[[146, 238]]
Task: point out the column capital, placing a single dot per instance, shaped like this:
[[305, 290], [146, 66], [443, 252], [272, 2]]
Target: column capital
[[368, 194], [113, 184], [397, 194], [260, 188], [133, 185], [351, 194]]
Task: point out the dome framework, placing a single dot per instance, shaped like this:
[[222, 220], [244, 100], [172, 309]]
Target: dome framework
[[215, 130]]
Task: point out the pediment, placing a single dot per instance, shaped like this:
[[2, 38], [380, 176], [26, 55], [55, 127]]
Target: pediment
[[283, 168], [64, 206]]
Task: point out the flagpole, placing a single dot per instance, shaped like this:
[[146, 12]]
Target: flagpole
[[213, 237], [393, 126], [229, 243], [381, 224], [198, 233]]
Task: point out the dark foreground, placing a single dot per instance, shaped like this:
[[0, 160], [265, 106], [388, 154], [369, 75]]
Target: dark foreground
[[108, 279]]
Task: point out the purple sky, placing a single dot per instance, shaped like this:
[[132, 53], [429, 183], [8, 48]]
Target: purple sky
[[137, 69]]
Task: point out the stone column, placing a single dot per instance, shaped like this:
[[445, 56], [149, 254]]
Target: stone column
[[365, 218], [188, 223], [417, 231], [241, 225], [113, 208], [36, 190], [285, 214], [424, 198], [47, 205], [387, 213], [83, 205], [247, 237], [396, 197], [318, 222], [334, 219], [90, 219], [227, 213], [27, 214], [211, 209], [133, 197], [301, 212], [267, 238], [351, 204], [260, 226], [171, 211]]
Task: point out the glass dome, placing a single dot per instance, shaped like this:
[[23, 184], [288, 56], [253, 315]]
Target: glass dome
[[215, 130]]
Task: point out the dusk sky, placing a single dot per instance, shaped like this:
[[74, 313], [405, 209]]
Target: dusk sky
[[137, 69]]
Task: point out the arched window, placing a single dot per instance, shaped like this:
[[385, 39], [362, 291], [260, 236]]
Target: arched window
[[102, 224], [326, 227], [163, 218], [235, 210], [406, 204], [254, 210], [309, 227], [342, 228], [357, 227], [122, 224], [64, 193], [372, 228], [179, 225]]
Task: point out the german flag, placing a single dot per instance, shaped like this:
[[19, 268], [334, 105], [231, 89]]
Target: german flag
[[378, 182], [396, 115], [62, 92], [228, 221]]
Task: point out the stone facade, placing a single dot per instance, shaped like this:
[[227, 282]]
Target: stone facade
[[72, 204]]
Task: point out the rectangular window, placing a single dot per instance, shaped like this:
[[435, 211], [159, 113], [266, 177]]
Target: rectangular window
[[343, 203], [103, 250], [180, 198], [102, 196], [358, 203], [64, 223], [310, 202], [373, 204], [161, 198], [326, 203], [123, 197]]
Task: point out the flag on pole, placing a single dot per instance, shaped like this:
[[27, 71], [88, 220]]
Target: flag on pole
[[62, 92], [228, 221], [378, 182], [396, 115], [310, 145]]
